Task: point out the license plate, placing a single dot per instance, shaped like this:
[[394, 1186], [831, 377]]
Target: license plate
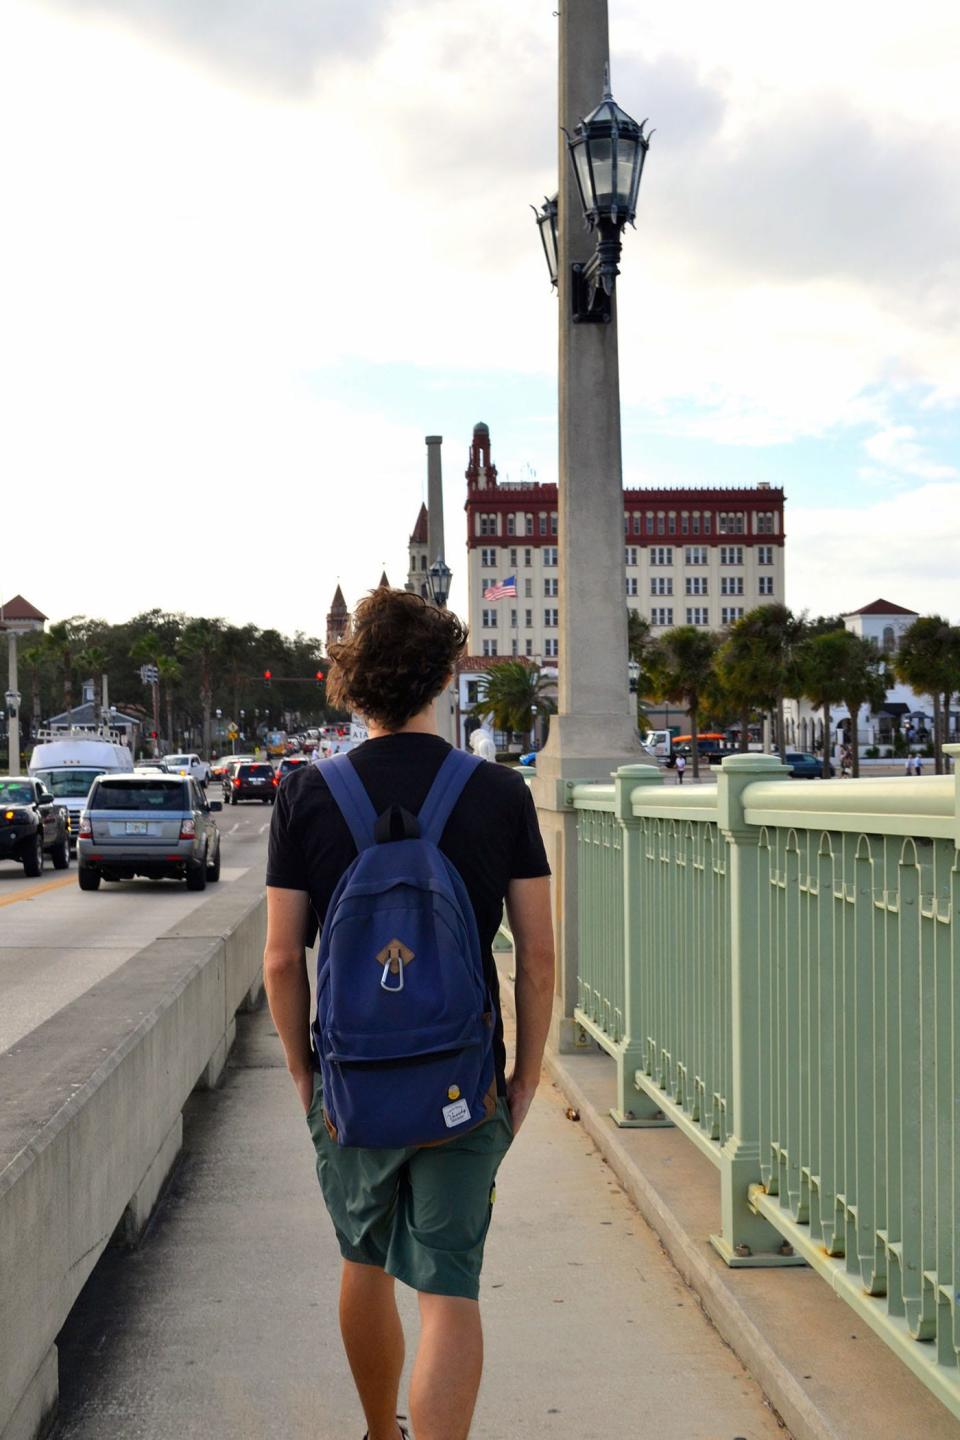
[[136, 827], [257, 780]]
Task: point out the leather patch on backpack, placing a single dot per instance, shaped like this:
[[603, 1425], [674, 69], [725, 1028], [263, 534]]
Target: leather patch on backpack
[[394, 954]]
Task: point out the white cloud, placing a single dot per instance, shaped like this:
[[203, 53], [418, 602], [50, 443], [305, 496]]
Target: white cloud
[[896, 449], [904, 548]]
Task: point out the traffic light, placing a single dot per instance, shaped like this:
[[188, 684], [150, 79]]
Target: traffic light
[[154, 735], [267, 678], [319, 677]]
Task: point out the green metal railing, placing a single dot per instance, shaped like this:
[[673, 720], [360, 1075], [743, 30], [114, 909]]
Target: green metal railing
[[775, 968]]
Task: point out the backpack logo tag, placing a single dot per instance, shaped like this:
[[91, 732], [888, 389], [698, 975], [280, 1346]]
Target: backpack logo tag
[[393, 957], [456, 1113]]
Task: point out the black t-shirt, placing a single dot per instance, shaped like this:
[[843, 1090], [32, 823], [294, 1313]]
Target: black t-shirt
[[492, 836]]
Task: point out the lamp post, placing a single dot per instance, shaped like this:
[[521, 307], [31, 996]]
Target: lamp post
[[438, 579]]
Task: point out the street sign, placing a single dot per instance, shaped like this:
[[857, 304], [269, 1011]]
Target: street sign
[[149, 674], [232, 731]]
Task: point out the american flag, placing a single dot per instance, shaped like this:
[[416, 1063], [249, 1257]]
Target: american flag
[[498, 592]]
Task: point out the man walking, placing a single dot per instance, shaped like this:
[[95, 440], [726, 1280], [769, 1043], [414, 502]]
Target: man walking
[[681, 767], [417, 1213]]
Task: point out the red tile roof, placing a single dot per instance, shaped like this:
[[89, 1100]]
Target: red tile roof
[[486, 662], [20, 609], [418, 535], [882, 607]]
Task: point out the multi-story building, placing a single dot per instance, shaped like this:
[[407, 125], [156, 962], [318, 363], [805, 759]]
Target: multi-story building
[[692, 557]]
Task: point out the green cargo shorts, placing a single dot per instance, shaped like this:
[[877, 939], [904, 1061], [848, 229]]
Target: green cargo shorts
[[420, 1213]]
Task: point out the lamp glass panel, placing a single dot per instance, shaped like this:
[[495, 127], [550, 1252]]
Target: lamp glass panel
[[583, 176], [628, 152], [601, 153], [549, 235]]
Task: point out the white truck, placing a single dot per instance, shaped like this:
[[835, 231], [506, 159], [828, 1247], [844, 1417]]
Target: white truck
[[68, 761]]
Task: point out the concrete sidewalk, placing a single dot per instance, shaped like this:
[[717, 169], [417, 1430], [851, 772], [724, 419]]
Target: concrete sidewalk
[[222, 1326]]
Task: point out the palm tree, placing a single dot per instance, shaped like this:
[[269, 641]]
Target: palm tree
[[639, 642], [680, 663], [820, 665], [171, 673], [33, 657], [509, 692], [146, 651], [201, 641], [60, 641], [95, 659], [864, 679], [928, 660]]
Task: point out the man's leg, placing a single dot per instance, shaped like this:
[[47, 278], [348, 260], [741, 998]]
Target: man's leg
[[446, 1372], [373, 1340]]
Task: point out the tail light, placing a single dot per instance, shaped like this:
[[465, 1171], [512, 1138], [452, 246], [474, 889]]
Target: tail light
[[236, 784], [276, 780], [188, 830], [86, 829]]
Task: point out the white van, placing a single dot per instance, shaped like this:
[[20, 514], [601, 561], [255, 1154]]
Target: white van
[[68, 761]]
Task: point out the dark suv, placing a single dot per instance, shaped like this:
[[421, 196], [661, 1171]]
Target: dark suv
[[250, 780], [32, 825]]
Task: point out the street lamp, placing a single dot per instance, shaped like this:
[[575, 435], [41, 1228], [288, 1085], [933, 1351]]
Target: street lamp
[[607, 150], [438, 578]]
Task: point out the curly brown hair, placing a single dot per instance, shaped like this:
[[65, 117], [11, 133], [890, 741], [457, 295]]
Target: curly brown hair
[[396, 658]]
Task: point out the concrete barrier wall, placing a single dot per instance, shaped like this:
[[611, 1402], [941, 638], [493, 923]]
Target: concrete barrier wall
[[90, 1123]]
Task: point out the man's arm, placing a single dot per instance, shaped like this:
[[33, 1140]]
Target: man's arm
[[285, 978], [528, 911]]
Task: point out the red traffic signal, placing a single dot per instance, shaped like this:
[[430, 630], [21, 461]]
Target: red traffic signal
[[319, 677], [153, 735], [267, 677]]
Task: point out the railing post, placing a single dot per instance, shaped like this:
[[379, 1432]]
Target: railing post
[[634, 1107], [746, 1239]]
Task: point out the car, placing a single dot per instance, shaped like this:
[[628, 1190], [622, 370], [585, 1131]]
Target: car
[[220, 768], [32, 825], [159, 826], [151, 767], [188, 764], [804, 766], [250, 780], [291, 762]]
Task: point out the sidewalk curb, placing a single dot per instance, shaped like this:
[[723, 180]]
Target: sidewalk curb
[[695, 1263]]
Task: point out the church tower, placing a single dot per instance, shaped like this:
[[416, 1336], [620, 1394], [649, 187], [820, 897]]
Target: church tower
[[481, 475], [338, 618], [419, 564]]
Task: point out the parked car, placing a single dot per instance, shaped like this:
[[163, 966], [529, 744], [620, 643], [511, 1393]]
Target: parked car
[[160, 826], [32, 825], [190, 765], [250, 780], [291, 762], [805, 767]]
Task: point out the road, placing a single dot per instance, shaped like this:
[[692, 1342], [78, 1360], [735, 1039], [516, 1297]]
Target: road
[[56, 941]]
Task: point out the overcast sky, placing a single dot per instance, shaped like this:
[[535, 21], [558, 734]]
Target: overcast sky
[[252, 254]]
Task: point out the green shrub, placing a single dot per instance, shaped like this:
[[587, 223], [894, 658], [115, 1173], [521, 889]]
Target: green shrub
[[871, 753]]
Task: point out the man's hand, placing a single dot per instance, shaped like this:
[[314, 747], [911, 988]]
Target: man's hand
[[519, 1098]]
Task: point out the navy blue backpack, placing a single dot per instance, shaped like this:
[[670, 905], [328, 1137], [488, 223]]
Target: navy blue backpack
[[404, 1027]]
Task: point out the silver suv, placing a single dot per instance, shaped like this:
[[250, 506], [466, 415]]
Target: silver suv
[[153, 825]]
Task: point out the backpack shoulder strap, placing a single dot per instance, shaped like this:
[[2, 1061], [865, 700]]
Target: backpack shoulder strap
[[351, 798], [445, 791]]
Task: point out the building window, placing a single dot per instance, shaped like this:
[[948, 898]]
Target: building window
[[730, 613], [766, 584], [528, 647], [671, 523], [661, 523], [551, 587], [551, 618], [528, 589], [661, 616], [696, 585], [685, 523], [514, 647], [513, 621], [473, 691], [731, 523], [764, 554], [553, 522], [661, 585], [698, 616], [543, 524], [551, 649], [630, 555], [528, 556], [511, 524], [649, 522], [631, 584], [488, 619], [489, 647], [528, 530], [549, 555], [695, 555], [764, 524], [731, 554], [889, 640], [488, 524], [423, 562], [528, 619], [661, 555], [487, 557], [637, 522], [707, 523], [731, 585], [485, 583]]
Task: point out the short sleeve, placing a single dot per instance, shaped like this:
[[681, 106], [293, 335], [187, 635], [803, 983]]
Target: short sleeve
[[286, 861], [529, 859]]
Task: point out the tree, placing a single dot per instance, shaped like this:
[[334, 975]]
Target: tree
[[146, 651], [170, 675], [928, 660], [820, 664], [61, 641], [33, 658], [639, 642], [509, 692], [95, 659], [680, 663], [864, 679], [201, 642]]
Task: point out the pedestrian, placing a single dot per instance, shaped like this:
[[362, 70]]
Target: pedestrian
[[412, 1212], [918, 764], [681, 767]]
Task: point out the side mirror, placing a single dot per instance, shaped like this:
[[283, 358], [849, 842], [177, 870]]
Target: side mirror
[[215, 805]]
